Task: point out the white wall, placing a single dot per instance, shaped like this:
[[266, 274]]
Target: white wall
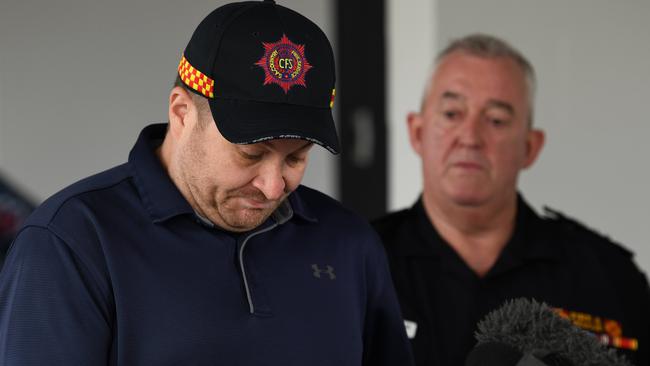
[[80, 78], [411, 37], [592, 59]]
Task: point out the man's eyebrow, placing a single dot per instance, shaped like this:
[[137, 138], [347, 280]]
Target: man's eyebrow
[[501, 105], [452, 95]]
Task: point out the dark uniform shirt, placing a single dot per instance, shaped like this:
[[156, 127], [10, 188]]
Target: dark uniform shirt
[[118, 270], [556, 260]]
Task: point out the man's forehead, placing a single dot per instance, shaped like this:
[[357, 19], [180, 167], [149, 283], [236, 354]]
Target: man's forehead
[[462, 65], [491, 103], [461, 76]]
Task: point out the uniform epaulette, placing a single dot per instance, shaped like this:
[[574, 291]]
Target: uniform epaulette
[[581, 229]]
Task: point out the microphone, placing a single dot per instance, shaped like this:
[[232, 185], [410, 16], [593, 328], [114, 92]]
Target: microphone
[[525, 332]]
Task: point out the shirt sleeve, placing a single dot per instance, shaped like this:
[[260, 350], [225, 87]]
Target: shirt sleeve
[[385, 341], [52, 312]]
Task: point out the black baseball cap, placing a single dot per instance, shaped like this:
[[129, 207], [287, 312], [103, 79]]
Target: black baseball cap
[[267, 72]]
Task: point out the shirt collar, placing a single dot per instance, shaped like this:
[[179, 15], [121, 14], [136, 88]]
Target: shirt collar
[[530, 240], [159, 194]]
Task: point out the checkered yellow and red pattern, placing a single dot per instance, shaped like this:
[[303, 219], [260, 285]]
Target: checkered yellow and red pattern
[[195, 79]]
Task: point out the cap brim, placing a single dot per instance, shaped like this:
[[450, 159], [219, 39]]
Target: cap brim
[[249, 122]]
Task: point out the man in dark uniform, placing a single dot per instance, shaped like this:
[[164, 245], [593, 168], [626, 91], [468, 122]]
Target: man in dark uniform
[[471, 241], [203, 249]]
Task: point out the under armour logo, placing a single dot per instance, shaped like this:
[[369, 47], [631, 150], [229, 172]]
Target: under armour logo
[[318, 271]]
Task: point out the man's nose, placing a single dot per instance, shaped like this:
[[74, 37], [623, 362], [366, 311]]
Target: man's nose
[[270, 181], [471, 131]]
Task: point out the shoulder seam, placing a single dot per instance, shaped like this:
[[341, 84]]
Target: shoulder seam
[[76, 195], [558, 217]]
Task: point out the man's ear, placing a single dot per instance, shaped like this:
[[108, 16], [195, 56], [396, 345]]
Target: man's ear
[[414, 121], [534, 143], [180, 106]]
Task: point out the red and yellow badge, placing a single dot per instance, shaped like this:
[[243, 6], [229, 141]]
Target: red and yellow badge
[[608, 331], [284, 64]]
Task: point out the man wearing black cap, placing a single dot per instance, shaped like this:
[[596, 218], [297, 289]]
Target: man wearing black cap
[[203, 249]]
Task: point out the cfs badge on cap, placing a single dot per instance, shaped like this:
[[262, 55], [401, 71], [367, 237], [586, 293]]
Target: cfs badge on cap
[[284, 64]]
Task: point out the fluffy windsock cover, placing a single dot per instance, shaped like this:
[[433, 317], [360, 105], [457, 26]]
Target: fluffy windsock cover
[[535, 328]]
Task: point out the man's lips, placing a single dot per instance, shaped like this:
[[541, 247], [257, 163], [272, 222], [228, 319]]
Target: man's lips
[[260, 205], [256, 204], [468, 165]]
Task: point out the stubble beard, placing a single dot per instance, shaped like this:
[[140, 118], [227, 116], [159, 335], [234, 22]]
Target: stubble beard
[[208, 200], [239, 218]]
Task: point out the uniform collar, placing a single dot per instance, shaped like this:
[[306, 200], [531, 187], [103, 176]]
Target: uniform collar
[[530, 240], [161, 197]]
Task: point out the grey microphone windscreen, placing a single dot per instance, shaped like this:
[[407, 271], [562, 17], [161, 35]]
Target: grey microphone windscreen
[[535, 329]]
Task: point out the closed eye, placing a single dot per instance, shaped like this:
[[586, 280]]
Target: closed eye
[[251, 157], [293, 160], [452, 115], [498, 122]]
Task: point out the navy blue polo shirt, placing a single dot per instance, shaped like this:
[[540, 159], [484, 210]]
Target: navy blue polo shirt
[[118, 270]]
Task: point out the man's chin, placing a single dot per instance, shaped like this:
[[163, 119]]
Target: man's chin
[[247, 219], [468, 199]]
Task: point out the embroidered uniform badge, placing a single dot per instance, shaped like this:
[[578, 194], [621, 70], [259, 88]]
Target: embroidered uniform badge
[[608, 331], [284, 64]]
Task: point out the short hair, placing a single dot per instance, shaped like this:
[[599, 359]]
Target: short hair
[[486, 46], [200, 102]]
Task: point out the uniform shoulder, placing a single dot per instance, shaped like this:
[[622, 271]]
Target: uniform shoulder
[[629, 281], [612, 256], [565, 225], [47, 211]]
